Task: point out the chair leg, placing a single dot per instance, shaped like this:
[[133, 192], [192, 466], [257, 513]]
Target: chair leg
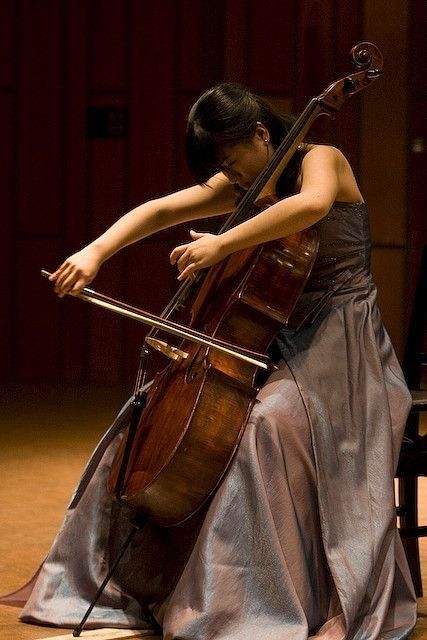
[[408, 499]]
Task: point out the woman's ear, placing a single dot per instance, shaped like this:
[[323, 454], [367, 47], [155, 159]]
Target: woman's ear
[[262, 132]]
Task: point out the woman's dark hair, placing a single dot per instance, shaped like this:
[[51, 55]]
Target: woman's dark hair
[[228, 114]]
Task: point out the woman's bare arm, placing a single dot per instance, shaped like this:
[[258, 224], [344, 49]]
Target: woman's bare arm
[[325, 177], [214, 198]]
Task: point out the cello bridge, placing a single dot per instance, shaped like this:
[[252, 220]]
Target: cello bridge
[[166, 349]]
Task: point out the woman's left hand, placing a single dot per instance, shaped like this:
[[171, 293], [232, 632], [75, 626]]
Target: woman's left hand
[[205, 250]]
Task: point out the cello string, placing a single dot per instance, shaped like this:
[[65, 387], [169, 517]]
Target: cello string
[[294, 137]]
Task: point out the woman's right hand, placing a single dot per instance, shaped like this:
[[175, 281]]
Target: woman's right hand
[[76, 271]]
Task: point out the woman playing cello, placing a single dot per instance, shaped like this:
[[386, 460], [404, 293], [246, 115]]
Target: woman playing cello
[[300, 539]]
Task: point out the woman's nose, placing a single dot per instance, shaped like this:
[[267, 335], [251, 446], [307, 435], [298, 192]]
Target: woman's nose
[[233, 175]]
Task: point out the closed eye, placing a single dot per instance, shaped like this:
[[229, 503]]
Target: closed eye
[[227, 167]]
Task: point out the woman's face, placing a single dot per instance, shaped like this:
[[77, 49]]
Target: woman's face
[[241, 163]]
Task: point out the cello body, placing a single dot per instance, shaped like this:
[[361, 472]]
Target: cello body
[[197, 407]]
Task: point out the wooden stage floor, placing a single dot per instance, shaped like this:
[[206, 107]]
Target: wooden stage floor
[[46, 436]]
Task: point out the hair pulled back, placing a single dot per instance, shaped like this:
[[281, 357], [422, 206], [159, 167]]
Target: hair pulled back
[[228, 114]]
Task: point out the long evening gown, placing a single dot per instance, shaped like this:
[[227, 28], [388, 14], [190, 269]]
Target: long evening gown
[[300, 539]]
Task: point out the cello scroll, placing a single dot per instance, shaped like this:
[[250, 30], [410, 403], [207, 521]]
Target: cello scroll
[[368, 59]]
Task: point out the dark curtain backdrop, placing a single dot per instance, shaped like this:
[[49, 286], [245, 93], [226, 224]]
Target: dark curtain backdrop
[[93, 99]]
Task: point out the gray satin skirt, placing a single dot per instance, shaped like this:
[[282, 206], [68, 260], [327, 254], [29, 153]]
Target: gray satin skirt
[[300, 539]]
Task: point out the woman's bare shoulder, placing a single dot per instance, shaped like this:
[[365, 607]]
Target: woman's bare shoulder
[[320, 155], [323, 151]]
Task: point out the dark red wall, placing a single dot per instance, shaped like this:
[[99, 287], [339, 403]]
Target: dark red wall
[[417, 139], [62, 188]]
